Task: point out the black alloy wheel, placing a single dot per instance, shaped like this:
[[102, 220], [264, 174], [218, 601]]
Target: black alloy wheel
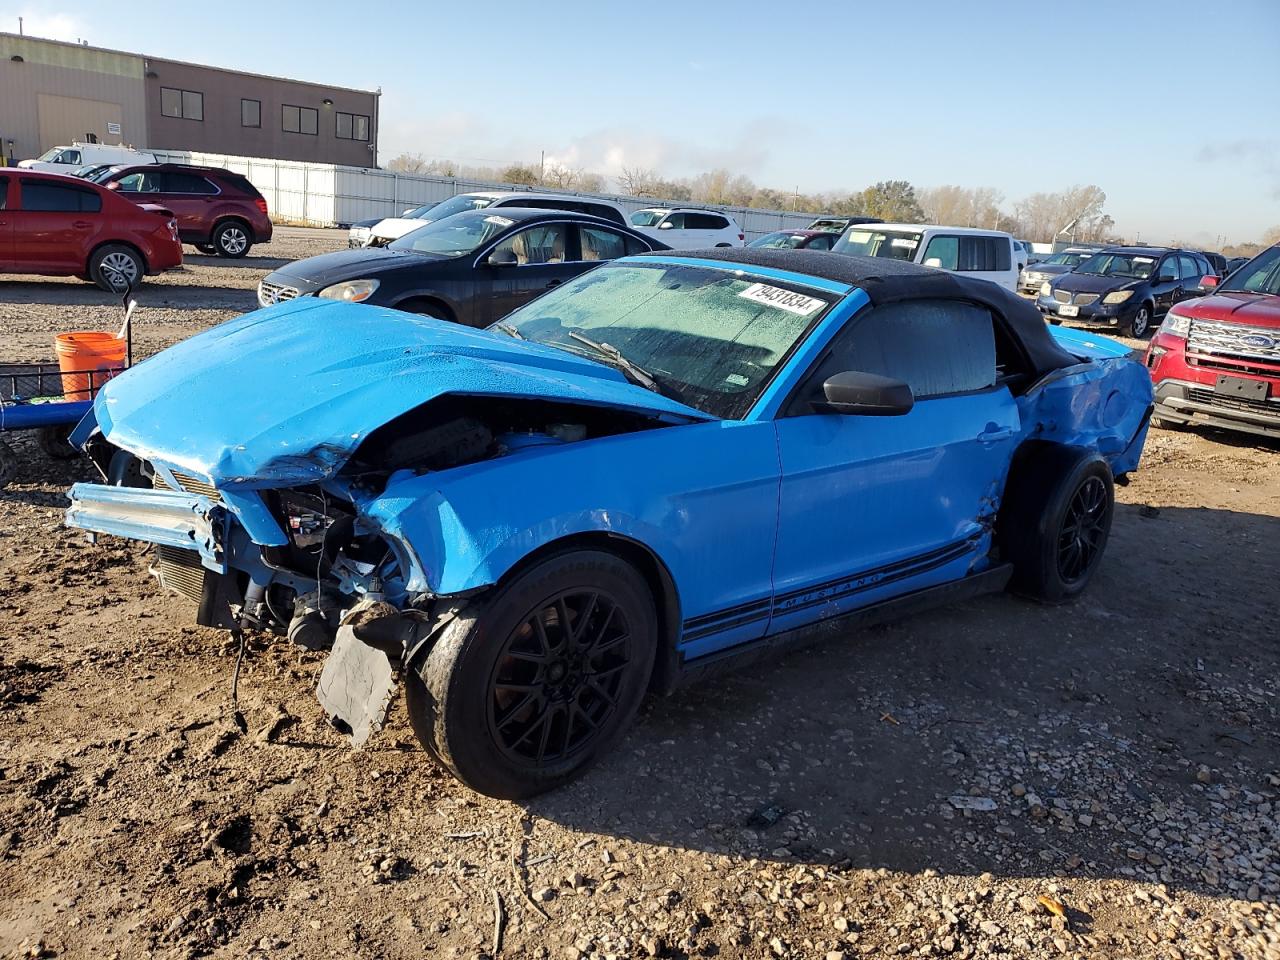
[[1084, 530]]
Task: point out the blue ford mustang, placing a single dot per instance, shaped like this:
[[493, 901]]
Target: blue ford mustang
[[659, 467]]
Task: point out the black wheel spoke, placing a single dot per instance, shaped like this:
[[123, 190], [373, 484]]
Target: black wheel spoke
[[516, 710], [584, 618], [1083, 529]]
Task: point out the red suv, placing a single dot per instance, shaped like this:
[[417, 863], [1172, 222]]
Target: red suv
[[1216, 360], [218, 211], [58, 226]]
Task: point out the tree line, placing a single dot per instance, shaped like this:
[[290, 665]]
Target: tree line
[[1074, 214]]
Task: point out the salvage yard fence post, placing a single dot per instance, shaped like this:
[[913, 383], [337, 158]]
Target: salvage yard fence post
[[330, 195]]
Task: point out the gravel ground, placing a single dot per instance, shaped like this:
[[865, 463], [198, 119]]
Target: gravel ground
[[997, 779]]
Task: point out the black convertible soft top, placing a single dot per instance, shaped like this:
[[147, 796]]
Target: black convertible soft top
[[890, 281]]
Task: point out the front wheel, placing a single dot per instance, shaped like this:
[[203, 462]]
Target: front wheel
[[231, 239], [525, 693], [1141, 322], [56, 443], [116, 268], [1055, 520]]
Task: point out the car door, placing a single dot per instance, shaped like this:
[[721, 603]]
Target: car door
[[872, 507], [545, 255], [821, 242], [1166, 288], [191, 198], [1194, 271], [6, 228], [671, 231], [54, 225]]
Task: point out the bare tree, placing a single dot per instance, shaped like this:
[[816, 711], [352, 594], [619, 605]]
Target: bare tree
[[409, 163], [522, 173], [636, 181]]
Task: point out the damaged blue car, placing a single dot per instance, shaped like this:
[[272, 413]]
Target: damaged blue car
[[659, 468]]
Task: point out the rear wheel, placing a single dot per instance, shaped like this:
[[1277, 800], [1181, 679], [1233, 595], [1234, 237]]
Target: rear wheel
[[1141, 322], [525, 693], [115, 267], [1055, 520], [231, 239]]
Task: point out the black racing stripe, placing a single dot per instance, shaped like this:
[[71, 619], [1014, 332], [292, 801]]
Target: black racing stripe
[[886, 569], [694, 623], [720, 627], [880, 581]]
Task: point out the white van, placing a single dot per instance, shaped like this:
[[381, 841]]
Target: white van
[[69, 159], [986, 254]]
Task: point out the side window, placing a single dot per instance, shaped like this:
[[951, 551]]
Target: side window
[[600, 244], [250, 113], [673, 221], [603, 211], [937, 347], [984, 254], [820, 243], [186, 183], [945, 250], [544, 243], [56, 198], [69, 156], [1167, 267], [299, 119], [704, 221]]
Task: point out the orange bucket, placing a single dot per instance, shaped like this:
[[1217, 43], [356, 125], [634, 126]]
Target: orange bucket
[[80, 358]]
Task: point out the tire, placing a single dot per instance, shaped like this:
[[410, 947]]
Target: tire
[[512, 710], [53, 441], [8, 464], [1160, 423], [1140, 325], [424, 308], [1055, 519], [115, 267], [206, 248], [231, 239]]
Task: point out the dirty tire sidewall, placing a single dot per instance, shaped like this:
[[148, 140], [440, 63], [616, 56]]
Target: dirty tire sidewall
[[231, 239], [8, 464], [449, 711], [113, 264], [1042, 484], [55, 442]]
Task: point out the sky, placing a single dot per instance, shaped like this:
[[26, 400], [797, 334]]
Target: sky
[[1173, 108]]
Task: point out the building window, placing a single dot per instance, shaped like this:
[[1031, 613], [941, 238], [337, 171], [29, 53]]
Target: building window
[[352, 126], [183, 104], [250, 113], [300, 120]]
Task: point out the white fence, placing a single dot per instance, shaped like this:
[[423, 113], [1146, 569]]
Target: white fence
[[326, 195]]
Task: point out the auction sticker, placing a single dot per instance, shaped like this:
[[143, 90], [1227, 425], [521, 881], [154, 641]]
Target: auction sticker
[[787, 300]]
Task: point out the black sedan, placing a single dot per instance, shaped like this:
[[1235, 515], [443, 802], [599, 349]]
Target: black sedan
[[472, 268]]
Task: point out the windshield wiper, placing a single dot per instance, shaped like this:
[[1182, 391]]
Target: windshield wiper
[[509, 330], [638, 373]]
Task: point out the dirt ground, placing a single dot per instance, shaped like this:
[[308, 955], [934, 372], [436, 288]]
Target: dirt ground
[[922, 789]]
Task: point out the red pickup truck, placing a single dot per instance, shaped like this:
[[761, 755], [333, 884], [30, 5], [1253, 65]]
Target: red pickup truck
[[1216, 360]]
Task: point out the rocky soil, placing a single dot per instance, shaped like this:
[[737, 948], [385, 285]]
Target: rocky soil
[[1000, 779]]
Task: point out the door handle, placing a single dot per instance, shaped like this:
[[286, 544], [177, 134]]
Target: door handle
[[554, 283], [81, 224], [994, 434]]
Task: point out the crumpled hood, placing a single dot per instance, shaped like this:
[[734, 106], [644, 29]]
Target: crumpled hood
[[283, 396]]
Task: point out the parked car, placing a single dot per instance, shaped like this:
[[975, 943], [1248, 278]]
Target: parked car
[[684, 228], [1234, 264], [92, 172], [1126, 288], [58, 226], [796, 240], [1054, 265], [384, 231], [1217, 261], [218, 211], [840, 224], [472, 268], [67, 159], [1216, 360], [660, 467], [982, 254]]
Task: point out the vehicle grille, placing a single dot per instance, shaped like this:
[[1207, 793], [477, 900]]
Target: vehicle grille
[[1234, 339], [269, 293], [189, 484], [180, 571], [1209, 398], [1062, 296], [1085, 299]]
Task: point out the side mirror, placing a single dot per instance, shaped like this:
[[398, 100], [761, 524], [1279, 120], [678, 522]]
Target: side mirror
[[934, 262], [865, 394], [503, 258], [113, 185], [666, 225], [405, 213], [1166, 277]]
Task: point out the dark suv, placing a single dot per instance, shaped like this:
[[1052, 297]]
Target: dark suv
[[217, 211], [1124, 287]]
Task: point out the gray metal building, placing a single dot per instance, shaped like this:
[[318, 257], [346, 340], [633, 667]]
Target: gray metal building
[[53, 93]]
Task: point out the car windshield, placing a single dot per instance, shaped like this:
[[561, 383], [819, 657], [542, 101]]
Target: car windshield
[[49, 154], [1065, 259], [781, 239], [891, 244], [447, 208], [1259, 275], [453, 236], [709, 338], [647, 218], [1127, 265]]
